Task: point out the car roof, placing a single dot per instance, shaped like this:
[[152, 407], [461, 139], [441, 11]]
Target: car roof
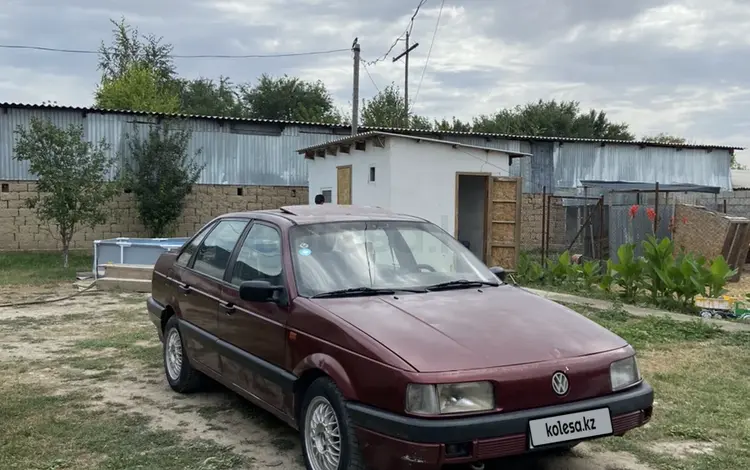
[[315, 214]]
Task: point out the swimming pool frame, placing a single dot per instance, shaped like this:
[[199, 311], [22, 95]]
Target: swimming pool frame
[[126, 250]]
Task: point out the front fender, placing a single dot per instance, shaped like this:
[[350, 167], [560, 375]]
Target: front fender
[[330, 367]]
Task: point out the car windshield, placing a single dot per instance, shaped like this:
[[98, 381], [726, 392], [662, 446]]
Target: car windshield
[[382, 256]]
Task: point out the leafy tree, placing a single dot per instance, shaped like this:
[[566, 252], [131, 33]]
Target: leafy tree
[[129, 48], [552, 119], [72, 177], [138, 88], [386, 109], [208, 98], [662, 138], [289, 98], [454, 124], [161, 173]]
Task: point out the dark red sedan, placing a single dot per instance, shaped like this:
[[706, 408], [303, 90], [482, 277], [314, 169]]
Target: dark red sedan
[[386, 342]]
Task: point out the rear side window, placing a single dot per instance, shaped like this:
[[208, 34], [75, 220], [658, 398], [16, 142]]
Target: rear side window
[[187, 253], [213, 255]]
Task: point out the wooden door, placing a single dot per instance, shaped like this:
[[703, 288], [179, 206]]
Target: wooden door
[[344, 184], [504, 231]]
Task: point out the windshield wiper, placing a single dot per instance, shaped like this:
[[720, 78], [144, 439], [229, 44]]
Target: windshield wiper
[[460, 284], [364, 291]]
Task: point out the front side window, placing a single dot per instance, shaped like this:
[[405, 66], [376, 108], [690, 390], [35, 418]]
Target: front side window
[[192, 247], [213, 255], [380, 255], [259, 257]]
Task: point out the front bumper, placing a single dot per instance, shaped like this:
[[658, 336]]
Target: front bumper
[[395, 441]]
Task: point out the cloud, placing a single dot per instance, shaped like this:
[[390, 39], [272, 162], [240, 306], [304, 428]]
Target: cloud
[[675, 66]]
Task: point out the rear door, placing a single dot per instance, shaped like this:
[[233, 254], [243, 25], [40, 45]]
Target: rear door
[[256, 329], [200, 290]]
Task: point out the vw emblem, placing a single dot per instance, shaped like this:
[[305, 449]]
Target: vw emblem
[[560, 383]]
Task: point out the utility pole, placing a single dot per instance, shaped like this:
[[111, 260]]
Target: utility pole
[[355, 91], [405, 55]]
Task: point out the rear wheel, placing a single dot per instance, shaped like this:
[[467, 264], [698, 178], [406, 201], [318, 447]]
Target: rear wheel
[[328, 439], [180, 374]]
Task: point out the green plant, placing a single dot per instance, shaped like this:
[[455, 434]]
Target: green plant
[[529, 271], [562, 271], [607, 277], [716, 276], [685, 279], [161, 175], [72, 177], [589, 274], [628, 271], [658, 256]]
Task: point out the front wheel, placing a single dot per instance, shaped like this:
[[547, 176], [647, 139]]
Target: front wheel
[[328, 439], [180, 374]]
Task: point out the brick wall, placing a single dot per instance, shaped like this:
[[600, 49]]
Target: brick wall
[[531, 223], [21, 230]]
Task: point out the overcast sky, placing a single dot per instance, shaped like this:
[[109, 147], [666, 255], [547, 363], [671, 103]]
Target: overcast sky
[[675, 66]]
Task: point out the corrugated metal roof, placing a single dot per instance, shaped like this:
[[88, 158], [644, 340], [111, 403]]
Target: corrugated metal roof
[[308, 151], [398, 130]]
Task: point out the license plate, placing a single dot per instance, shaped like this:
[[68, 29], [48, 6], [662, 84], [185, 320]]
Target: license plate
[[570, 427]]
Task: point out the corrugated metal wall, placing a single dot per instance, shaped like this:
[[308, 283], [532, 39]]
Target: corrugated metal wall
[[237, 152], [233, 153], [574, 162]]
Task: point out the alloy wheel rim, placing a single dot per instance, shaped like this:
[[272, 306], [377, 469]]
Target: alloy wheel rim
[[322, 435], [173, 354]]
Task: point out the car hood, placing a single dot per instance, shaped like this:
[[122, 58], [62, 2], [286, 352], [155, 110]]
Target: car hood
[[471, 329]]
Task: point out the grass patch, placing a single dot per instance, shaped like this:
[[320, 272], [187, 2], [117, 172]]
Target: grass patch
[[40, 268], [141, 345], [700, 376], [651, 331], [45, 431]]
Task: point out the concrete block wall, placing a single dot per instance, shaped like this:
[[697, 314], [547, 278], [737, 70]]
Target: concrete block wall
[[21, 230], [531, 223]]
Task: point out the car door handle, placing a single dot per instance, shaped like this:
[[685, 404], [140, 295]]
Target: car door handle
[[184, 288], [227, 308]]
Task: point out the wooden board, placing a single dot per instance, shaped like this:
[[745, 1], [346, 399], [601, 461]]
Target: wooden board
[[344, 184], [504, 231]]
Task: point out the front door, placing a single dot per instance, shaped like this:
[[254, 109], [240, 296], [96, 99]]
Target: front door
[[256, 329], [200, 291], [504, 201], [344, 184]]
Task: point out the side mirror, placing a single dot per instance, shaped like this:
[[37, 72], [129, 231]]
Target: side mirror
[[499, 272], [257, 291]]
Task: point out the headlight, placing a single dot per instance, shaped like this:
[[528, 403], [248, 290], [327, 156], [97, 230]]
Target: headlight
[[449, 398], [624, 373]]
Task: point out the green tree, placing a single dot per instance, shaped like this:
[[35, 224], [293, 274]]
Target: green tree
[[386, 109], [289, 98], [205, 97], [161, 173], [454, 124], [662, 138], [138, 89], [552, 119], [130, 49], [71, 177]]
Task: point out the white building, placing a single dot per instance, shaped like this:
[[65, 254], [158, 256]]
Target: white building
[[465, 189]]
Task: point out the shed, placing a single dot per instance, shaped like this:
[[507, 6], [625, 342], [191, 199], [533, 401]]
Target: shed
[[465, 189]]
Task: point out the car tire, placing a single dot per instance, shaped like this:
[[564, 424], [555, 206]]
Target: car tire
[[181, 375], [323, 402]]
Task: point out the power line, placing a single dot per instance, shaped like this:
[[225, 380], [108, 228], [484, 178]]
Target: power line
[[364, 65], [429, 52], [178, 56], [401, 36]]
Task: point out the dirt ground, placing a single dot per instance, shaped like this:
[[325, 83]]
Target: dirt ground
[[102, 348]]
